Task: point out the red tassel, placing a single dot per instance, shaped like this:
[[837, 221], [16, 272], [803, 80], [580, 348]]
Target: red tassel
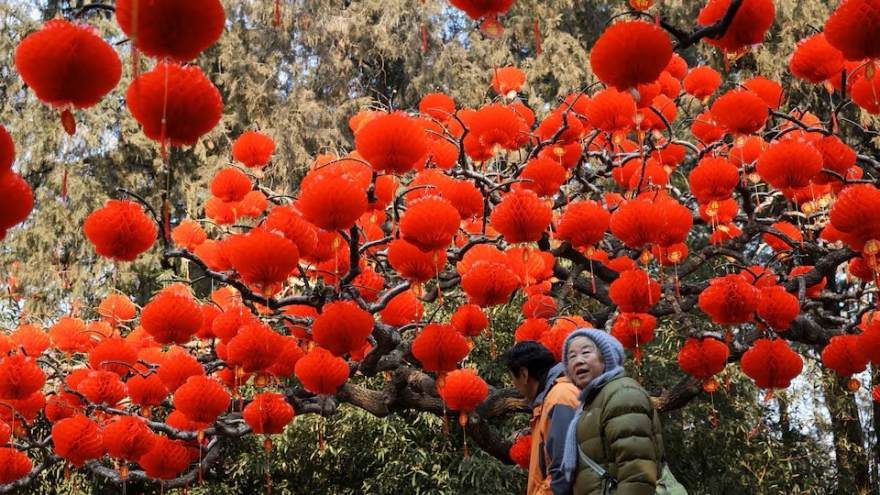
[[277, 14], [754, 430], [64, 185], [68, 122], [424, 31], [537, 36], [166, 220]]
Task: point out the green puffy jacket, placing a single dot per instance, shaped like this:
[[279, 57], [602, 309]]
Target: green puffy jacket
[[620, 430]]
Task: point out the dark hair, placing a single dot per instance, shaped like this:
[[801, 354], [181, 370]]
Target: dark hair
[[531, 355]]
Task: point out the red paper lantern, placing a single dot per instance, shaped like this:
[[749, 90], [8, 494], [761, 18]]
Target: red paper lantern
[[836, 156], [493, 128], [332, 202], [253, 149], [679, 220], [815, 60], [392, 143], [852, 29], [402, 309], [531, 329], [488, 284], [5, 433], [777, 243], [321, 372], [478, 9], [701, 82], [854, 215], [612, 111], [702, 358], [263, 259], [146, 391], [202, 399], [67, 64], [645, 47], [14, 465], [778, 307], [102, 387], [480, 252], [507, 80], [16, 202], [747, 28], [227, 324], [844, 355], [290, 354], [412, 263], [771, 363], [13, 411], [120, 230], [869, 339], [634, 291], [638, 223], [171, 319], [521, 451], [740, 112], [20, 376], [463, 390], [77, 440], [255, 348], [444, 155], [268, 414], [439, 348], [430, 223], [705, 129], [767, 90], [521, 216], [369, 284], [31, 339], [789, 164], [539, 306], [864, 94], [170, 29], [562, 131], [469, 320], [68, 335], [634, 330], [115, 355], [117, 309], [543, 176], [290, 222], [128, 437], [438, 106], [174, 104], [342, 327], [177, 367], [583, 223], [188, 235], [166, 460], [230, 185], [729, 300]]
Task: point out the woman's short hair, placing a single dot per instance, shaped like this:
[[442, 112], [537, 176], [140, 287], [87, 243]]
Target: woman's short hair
[[530, 355]]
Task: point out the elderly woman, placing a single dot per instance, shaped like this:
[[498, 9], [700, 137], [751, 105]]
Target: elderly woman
[[617, 427]]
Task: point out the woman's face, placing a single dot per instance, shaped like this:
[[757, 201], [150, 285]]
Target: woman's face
[[584, 361]]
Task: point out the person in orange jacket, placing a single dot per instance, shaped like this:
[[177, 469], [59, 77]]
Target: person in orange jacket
[[553, 398]]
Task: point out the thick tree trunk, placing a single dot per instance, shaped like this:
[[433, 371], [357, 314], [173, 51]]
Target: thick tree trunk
[[849, 438]]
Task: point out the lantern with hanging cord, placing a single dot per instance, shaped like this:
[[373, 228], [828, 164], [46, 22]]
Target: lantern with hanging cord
[[462, 391]]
